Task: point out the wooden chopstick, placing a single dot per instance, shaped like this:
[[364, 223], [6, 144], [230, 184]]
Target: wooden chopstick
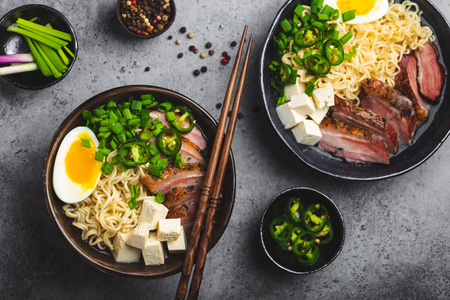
[[209, 177], [215, 197]]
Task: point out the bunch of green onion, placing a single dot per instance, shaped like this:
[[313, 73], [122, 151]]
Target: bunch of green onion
[[115, 125], [48, 47], [319, 22]]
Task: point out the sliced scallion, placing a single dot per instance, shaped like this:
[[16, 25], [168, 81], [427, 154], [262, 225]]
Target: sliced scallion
[[85, 143]]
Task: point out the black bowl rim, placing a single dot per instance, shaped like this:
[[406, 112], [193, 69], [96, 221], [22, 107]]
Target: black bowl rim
[[291, 148], [57, 224], [277, 198], [75, 43], [119, 17]]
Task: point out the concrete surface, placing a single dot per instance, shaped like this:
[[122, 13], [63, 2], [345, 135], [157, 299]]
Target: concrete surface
[[397, 244]]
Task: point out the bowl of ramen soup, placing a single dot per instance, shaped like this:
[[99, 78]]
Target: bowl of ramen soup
[[123, 176]]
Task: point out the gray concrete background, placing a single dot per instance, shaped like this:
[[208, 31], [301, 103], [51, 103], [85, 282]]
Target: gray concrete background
[[397, 244]]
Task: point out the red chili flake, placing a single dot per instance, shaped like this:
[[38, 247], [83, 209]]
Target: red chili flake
[[133, 2], [224, 53], [138, 31], [224, 61], [148, 29]]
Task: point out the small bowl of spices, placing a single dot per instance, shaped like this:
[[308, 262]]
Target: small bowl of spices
[[145, 18]]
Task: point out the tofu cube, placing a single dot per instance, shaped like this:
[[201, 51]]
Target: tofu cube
[[168, 229], [152, 212], [122, 252], [139, 235], [303, 104], [288, 117], [323, 96], [319, 114], [179, 245], [307, 132], [294, 89], [153, 251]]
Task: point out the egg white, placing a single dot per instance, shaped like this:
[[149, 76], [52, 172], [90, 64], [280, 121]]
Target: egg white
[[67, 190], [377, 12]]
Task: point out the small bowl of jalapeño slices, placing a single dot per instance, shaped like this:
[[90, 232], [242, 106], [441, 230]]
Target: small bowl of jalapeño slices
[[302, 230]]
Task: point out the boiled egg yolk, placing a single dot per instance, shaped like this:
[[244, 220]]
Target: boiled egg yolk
[[360, 7], [81, 166]]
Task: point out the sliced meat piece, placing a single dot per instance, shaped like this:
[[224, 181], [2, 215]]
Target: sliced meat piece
[[430, 72], [355, 145], [356, 116], [187, 175], [406, 83], [391, 105], [182, 194], [185, 212], [190, 152], [195, 136]]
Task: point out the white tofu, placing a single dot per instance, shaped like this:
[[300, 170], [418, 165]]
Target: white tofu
[[122, 252], [139, 235], [152, 212], [168, 229], [153, 252], [323, 96], [307, 132], [288, 117], [179, 245], [303, 104], [319, 114], [294, 89]]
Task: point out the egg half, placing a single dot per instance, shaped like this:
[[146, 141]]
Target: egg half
[[366, 10], [76, 172]]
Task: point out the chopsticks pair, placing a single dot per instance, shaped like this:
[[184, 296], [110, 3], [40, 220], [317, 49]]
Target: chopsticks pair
[[206, 195]]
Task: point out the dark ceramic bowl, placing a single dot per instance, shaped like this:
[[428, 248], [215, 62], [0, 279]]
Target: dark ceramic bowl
[[13, 43], [286, 260], [124, 26], [103, 260], [427, 140]]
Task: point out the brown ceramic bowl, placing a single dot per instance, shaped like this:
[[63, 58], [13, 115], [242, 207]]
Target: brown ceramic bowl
[[121, 21], [103, 260], [12, 43]]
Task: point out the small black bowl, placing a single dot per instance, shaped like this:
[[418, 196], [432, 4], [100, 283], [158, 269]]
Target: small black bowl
[[121, 21], [286, 260], [12, 43]]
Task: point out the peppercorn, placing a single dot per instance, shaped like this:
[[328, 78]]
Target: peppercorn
[[203, 55], [233, 44], [224, 53], [228, 57], [196, 72], [218, 105], [211, 52], [224, 61], [190, 35], [208, 45], [183, 29], [192, 48], [204, 69], [169, 37], [240, 115], [178, 42], [147, 69], [180, 55], [196, 51]]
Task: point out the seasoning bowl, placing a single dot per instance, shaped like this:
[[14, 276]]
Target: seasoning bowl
[[152, 35], [103, 260], [286, 260], [13, 43]]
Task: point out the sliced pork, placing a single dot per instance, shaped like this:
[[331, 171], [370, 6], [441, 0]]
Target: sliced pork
[[195, 136], [391, 105], [356, 116], [187, 175], [181, 195], [406, 83], [430, 73], [185, 212], [354, 144]]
